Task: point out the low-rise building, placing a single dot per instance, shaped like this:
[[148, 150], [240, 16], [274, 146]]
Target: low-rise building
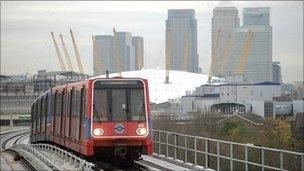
[[298, 107], [264, 91], [234, 98], [203, 103], [18, 92]]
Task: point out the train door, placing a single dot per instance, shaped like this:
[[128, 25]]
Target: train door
[[62, 113], [68, 113], [82, 111], [36, 116], [55, 97], [77, 115], [33, 119], [58, 108], [39, 116], [46, 111], [72, 119], [42, 115], [32, 122]]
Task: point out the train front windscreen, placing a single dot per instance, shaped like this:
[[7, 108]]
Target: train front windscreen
[[119, 101]]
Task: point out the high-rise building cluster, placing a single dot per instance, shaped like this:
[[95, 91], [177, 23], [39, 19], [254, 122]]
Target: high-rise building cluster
[[107, 49], [242, 50]]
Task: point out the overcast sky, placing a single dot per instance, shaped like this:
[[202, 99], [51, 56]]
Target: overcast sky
[[26, 44]]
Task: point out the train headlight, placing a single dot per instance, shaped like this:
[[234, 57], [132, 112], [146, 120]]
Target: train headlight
[[98, 131], [141, 131]]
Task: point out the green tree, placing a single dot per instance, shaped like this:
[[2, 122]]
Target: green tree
[[233, 131], [278, 134]]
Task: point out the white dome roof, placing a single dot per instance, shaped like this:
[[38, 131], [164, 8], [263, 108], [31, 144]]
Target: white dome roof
[[180, 82]]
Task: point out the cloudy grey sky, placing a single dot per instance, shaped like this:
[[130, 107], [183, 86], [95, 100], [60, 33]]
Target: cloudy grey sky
[[26, 44]]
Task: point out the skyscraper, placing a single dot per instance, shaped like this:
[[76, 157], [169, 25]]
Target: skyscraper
[[126, 51], [182, 26], [130, 50], [138, 44], [252, 47], [224, 22], [103, 59], [256, 16]]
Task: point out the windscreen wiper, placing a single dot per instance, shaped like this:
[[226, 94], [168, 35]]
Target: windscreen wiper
[[99, 117]]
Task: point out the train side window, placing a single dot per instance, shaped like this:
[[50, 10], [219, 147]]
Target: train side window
[[100, 105]]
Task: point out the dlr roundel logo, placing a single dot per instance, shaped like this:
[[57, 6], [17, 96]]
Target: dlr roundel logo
[[119, 128]]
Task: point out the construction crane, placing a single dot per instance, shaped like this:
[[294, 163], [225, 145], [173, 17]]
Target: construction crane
[[58, 53], [168, 54], [66, 53], [80, 67], [244, 54], [96, 54], [186, 52], [226, 53], [139, 56], [213, 54], [117, 53]]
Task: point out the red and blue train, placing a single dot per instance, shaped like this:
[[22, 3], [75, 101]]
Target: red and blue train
[[96, 117]]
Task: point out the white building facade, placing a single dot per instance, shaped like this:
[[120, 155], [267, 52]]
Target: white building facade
[[257, 98]]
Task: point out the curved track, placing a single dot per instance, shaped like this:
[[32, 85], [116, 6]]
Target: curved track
[[21, 136], [9, 139], [13, 137]]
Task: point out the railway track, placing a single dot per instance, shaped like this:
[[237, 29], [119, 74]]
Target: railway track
[[9, 139], [16, 137], [13, 137]]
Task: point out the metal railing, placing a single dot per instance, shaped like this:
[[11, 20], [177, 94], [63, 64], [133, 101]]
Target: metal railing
[[34, 157], [224, 155], [42, 155], [61, 156]]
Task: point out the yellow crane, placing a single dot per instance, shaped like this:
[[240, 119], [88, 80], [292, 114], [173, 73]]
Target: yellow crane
[[139, 56], [98, 66], [168, 53], [58, 53], [244, 54], [80, 67], [117, 53], [213, 54], [66, 53], [226, 53], [186, 52]]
